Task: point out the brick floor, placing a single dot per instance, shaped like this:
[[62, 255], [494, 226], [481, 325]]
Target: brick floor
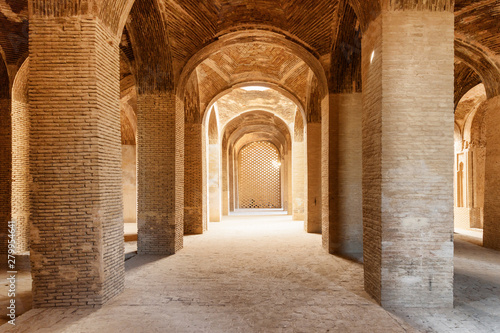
[[264, 274]]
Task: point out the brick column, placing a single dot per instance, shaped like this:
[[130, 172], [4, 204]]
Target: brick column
[[408, 158], [313, 185], [345, 212], [298, 170], [225, 181], [75, 162], [5, 170], [195, 199], [160, 173], [287, 160], [232, 180], [213, 182], [20, 122], [491, 231]]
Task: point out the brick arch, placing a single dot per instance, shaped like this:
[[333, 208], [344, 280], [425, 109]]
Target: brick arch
[[4, 78], [251, 122], [480, 59], [254, 36], [345, 68], [475, 114], [264, 83], [153, 60], [213, 128], [366, 11], [113, 13], [248, 127], [465, 79]]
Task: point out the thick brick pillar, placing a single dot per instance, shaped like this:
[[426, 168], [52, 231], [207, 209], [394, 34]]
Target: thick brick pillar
[[298, 169], [5, 170], [225, 180], [75, 162], [233, 181], [160, 173], [21, 166], [195, 199], [491, 231], [313, 215], [408, 158], [344, 154], [287, 179], [214, 182]]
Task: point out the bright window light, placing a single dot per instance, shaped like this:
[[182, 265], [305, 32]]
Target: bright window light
[[255, 88]]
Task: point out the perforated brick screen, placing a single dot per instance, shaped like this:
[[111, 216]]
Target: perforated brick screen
[[259, 176]]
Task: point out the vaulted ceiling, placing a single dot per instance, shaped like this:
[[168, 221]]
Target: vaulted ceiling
[[252, 62], [240, 101]]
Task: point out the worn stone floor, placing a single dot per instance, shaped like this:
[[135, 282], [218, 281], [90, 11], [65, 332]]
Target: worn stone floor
[[264, 274]]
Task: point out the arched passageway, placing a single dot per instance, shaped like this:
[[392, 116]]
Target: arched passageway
[[342, 89]]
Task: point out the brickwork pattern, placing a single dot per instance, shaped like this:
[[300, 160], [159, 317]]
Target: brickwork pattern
[[298, 168], [20, 158], [345, 174], [194, 199], [20, 173], [326, 164], [75, 162], [5, 170], [160, 169], [214, 183], [259, 180], [225, 179], [408, 159], [491, 234], [314, 178], [298, 180], [372, 159]]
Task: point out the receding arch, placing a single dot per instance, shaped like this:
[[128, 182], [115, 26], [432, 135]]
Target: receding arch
[[480, 59], [254, 36], [272, 85]]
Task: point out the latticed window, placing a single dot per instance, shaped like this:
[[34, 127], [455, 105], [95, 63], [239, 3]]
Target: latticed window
[[259, 176]]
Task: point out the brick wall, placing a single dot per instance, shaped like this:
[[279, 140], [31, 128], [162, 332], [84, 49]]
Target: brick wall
[[314, 179], [314, 110], [408, 159], [372, 158], [5, 170], [75, 163], [345, 174], [298, 168], [225, 179], [491, 232], [194, 201], [214, 183], [160, 173], [20, 157], [20, 173]]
